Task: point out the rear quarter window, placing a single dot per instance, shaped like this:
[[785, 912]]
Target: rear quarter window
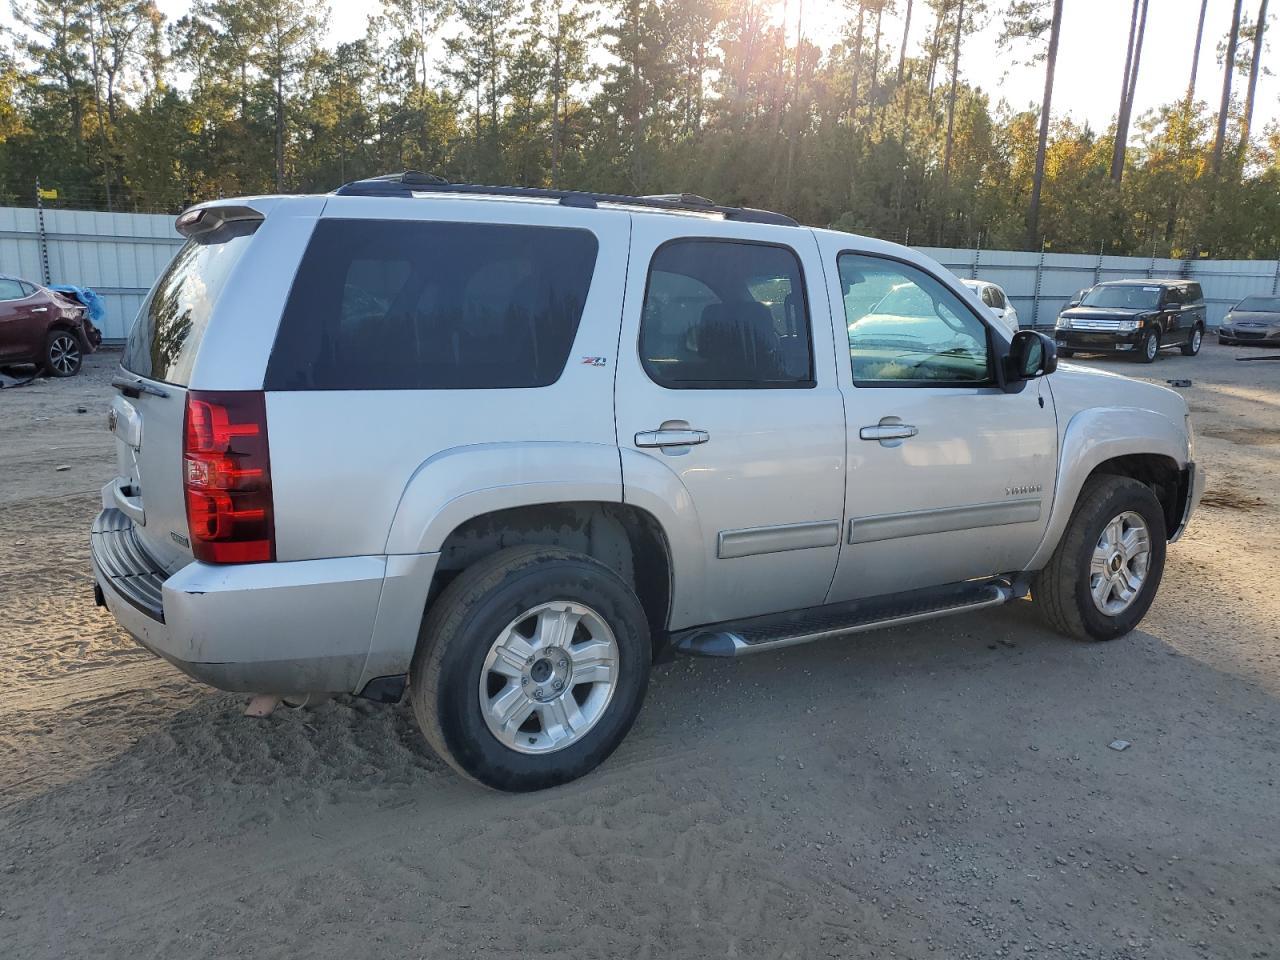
[[423, 305]]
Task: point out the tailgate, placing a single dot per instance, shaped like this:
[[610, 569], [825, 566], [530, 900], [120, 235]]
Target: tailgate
[[148, 415], [147, 487]]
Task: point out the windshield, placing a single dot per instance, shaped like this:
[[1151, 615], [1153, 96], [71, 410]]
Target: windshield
[[1123, 296], [171, 322], [1259, 305]]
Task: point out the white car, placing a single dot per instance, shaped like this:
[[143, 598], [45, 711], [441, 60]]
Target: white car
[[994, 297]]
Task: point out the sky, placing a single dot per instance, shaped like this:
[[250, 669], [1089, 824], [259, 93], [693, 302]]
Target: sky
[[1090, 56]]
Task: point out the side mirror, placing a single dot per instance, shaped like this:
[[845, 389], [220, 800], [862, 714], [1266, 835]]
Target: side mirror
[[1031, 354]]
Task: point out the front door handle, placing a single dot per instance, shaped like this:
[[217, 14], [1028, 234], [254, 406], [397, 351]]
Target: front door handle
[[39, 309], [888, 431], [668, 437]]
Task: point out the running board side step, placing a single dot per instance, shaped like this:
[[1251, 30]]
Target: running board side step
[[769, 632]]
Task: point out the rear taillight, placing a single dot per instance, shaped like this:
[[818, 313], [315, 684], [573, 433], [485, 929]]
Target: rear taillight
[[227, 477]]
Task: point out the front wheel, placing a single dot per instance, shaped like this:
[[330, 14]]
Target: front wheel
[[1192, 346], [531, 667], [1149, 347], [1103, 576]]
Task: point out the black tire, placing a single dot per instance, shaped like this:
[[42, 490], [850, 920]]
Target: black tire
[[465, 620], [1061, 590], [1145, 352], [63, 354], [1223, 341], [1066, 353], [1192, 346]]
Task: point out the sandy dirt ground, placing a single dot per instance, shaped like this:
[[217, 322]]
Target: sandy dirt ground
[[944, 790]]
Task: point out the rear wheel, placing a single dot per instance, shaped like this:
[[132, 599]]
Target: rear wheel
[[62, 354], [1192, 346], [1103, 576], [1149, 347], [531, 668]]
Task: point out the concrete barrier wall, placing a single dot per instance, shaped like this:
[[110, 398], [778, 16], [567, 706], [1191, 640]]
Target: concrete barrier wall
[[120, 255]]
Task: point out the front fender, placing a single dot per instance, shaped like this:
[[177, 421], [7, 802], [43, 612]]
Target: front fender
[[1091, 438], [466, 481]]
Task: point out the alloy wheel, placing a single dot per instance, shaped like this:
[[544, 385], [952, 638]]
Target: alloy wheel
[[549, 677], [1120, 562], [64, 354]]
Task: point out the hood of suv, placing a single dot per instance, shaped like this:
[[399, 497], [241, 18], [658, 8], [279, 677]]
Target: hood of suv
[[1077, 388]]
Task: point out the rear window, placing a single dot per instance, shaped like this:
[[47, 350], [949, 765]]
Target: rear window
[[166, 335], [422, 305]]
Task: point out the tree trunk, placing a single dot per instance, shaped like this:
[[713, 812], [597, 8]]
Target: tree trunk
[[857, 62], [280, 128], [875, 59], [555, 104], [1137, 28], [1229, 68], [951, 101], [935, 51], [1258, 31], [906, 32], [1195, 56], [791, 110], [1033, 212]]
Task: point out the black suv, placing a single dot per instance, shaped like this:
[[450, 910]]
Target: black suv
[[1136, 317]]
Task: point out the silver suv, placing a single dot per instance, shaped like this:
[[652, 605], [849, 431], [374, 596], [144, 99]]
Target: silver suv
[[507, 447]]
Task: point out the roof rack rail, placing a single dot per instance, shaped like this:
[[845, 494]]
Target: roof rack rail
[[414, 181]]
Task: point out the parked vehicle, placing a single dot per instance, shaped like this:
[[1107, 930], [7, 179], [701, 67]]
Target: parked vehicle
[[1137, 317], [41, 326], [994, 297], [507, 452], [1252, 320]]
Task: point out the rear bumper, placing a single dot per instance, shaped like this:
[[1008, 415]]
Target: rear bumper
[[296, 627]]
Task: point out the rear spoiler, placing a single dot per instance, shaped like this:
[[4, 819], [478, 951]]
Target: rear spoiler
[[202, 220]]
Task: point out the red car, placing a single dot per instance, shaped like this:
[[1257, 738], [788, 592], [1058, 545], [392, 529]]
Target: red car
[[41, 326]]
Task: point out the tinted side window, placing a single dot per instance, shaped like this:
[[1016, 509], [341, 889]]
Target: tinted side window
[[28, 288], [1193, 293], [726, 314], [905, 326], [10, 290], [998, 298], [423, 305], [1173, 296]]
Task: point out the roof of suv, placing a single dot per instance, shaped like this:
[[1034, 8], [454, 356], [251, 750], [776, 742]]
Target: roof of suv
[[1157, 282], [413, 182]]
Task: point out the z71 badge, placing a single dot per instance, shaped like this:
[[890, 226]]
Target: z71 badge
[[595, 361]]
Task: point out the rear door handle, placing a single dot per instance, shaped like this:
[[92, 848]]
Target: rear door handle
[[39, 309], [686, 437], [888, 431]]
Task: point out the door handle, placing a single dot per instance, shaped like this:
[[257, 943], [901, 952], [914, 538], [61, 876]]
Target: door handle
[[39, 309], [684, 437], [888, 431]]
